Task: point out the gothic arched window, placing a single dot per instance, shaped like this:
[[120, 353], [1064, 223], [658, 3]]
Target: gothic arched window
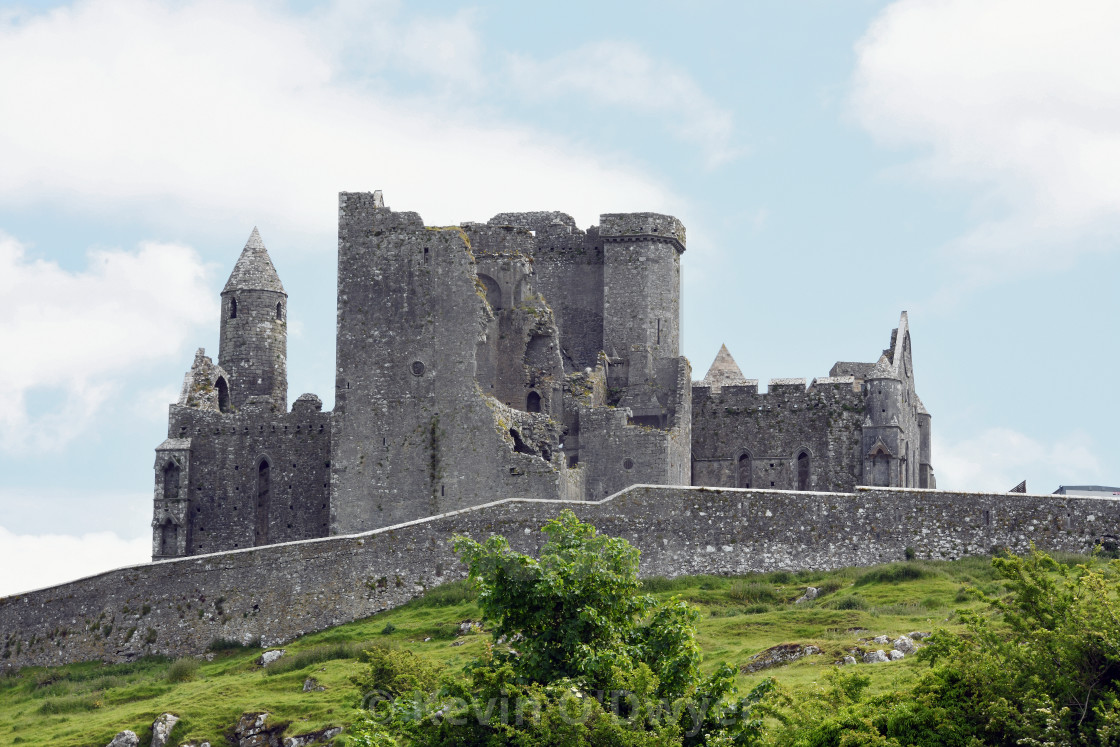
[[168, 539], [803, 471]]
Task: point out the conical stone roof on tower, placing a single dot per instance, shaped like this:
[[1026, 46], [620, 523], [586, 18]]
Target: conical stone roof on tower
[[254, 334], [254, 269], [724, 371]]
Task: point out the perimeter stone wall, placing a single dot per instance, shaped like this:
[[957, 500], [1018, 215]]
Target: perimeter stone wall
[[277, 592]]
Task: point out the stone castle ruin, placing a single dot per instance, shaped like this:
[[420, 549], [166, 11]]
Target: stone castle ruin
[[489, 376], [518, 358]]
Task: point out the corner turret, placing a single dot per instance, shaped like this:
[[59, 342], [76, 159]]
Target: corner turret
[[254, 330]]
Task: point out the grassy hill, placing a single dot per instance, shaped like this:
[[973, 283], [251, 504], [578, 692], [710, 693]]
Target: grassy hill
[[86, 704]]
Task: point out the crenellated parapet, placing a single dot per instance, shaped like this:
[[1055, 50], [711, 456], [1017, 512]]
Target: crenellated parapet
[[861, 425]]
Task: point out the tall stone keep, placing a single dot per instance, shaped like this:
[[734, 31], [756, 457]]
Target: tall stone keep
[[254, 331], [642, 284]]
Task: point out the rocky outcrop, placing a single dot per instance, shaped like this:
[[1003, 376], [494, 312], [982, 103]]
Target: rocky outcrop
[[161, 729], [778, 656], [905, 644], [323, 736], [254, 730], [270, 656], [125, 738], [810, 594], [875, 657]]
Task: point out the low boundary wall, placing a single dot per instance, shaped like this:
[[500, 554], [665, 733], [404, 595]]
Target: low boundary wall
[[278, 592]]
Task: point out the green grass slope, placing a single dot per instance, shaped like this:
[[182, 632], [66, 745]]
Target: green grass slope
[[86, 704]]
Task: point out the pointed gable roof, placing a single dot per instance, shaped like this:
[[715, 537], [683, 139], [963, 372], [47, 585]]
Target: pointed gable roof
[[724, 371], [884, 369], [254, 270]]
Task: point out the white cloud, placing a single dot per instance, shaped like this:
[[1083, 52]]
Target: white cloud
[[78, 335], [1016, 101], [620, 74], [997, 459], [60, 558], [234, 113]]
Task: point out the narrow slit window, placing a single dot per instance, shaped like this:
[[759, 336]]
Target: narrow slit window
[[264, 498], [233, 308], [223, 394], [171, 481]]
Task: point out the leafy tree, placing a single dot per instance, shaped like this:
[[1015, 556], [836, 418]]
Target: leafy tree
[[590, 659], [1041, 666]]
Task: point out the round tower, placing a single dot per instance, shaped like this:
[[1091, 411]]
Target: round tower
[[254, 338]]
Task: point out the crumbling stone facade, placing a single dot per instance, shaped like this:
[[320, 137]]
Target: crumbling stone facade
[[518, 358], [863, 424]]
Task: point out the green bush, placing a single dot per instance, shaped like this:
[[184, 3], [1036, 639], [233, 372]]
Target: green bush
[[580, 626], [895, 573], [182, 670], [1041, 666], [69, 704], [849, 602], [753, 592], [316, 655], [446, 595]]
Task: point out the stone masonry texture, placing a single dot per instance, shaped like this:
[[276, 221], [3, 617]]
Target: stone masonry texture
[[274, 593]]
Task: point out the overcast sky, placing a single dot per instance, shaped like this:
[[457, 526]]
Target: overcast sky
[[834, 161]]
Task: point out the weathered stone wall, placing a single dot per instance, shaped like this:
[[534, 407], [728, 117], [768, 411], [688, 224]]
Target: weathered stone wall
[[568, 272], [225, 509], [414, 435], [275, 593], [825, 420]]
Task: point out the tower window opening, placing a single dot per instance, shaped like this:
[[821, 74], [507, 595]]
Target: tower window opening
[[171, 481], [168, 539], [233, 308], [533, 402], [803, 471], [744, 471], [223, 394], [280, 311], [264, 497]]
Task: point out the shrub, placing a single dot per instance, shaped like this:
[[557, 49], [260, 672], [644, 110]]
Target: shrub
[[446, 595], [850, 602], [579, 624], [753, 592], [182, 670], [315, 655], [69, 704], [895, 573]]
